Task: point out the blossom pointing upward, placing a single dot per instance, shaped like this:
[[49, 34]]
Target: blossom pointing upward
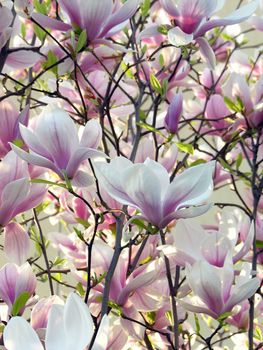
[[69, 327], [55, 144], [147, 188]]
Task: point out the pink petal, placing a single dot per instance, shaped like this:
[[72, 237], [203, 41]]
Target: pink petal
[[17, 243], [23, 59], [40, 312], [13, 194], [8, 278], [52, 23], [238, 16], [119, 18], [6, 18], [35, 159], [92, 134], [79, 156], [57, 131], [243, 292], [26, 280], [207, 52], [170, 7]]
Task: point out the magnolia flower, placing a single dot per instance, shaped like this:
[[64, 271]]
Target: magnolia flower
[[147, 188], [214, 289], [192, 243], [9, 125], [193, 18], [40, 311], [174, 112], [69, 327], [15, 280], [55, 144], [100, 19], [17, 195]]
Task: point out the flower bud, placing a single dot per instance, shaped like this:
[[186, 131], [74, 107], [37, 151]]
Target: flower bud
[[174, 112]]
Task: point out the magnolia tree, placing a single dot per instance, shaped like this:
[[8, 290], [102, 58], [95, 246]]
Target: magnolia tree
[[131, 174]]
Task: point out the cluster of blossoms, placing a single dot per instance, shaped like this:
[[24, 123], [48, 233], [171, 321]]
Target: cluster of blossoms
[[131, 163]]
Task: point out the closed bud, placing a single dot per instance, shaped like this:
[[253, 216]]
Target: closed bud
[[174, 113]]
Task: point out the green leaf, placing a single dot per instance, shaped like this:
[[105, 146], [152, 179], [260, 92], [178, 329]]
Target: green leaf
[[227, 37], [197, 162], [127, 70], [40, 7], [40, 33], [42, 181], [115, 307], [83, 222], [169, 316], [141, 225], [155, 84], [20, 303], [161, 60], [42, 206], [18, 142], [80, 289], [146, 260], [240, 104], [163, 29], [38, 249], [23, 30], [67, 180], [259, 244], [143, 116], [150, 317], [197, 324], [231, 105], [51, 60], [59, 261], [239, 160], [57, 276], [150, 128], [145, 7], [79, 234], [185, 147], [224, 164], [258, 334], [82, 41], [224, 316], [165, 86]]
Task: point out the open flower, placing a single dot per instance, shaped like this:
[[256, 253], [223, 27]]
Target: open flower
[[15, 280], [214, 289], [192, 18], [147, 188], [100, 19], [69, 327], [55, 144]]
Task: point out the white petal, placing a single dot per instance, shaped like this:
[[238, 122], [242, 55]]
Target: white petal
[[77, 322], [19, 335], [55, 333], [102, 337], [177, 37]]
